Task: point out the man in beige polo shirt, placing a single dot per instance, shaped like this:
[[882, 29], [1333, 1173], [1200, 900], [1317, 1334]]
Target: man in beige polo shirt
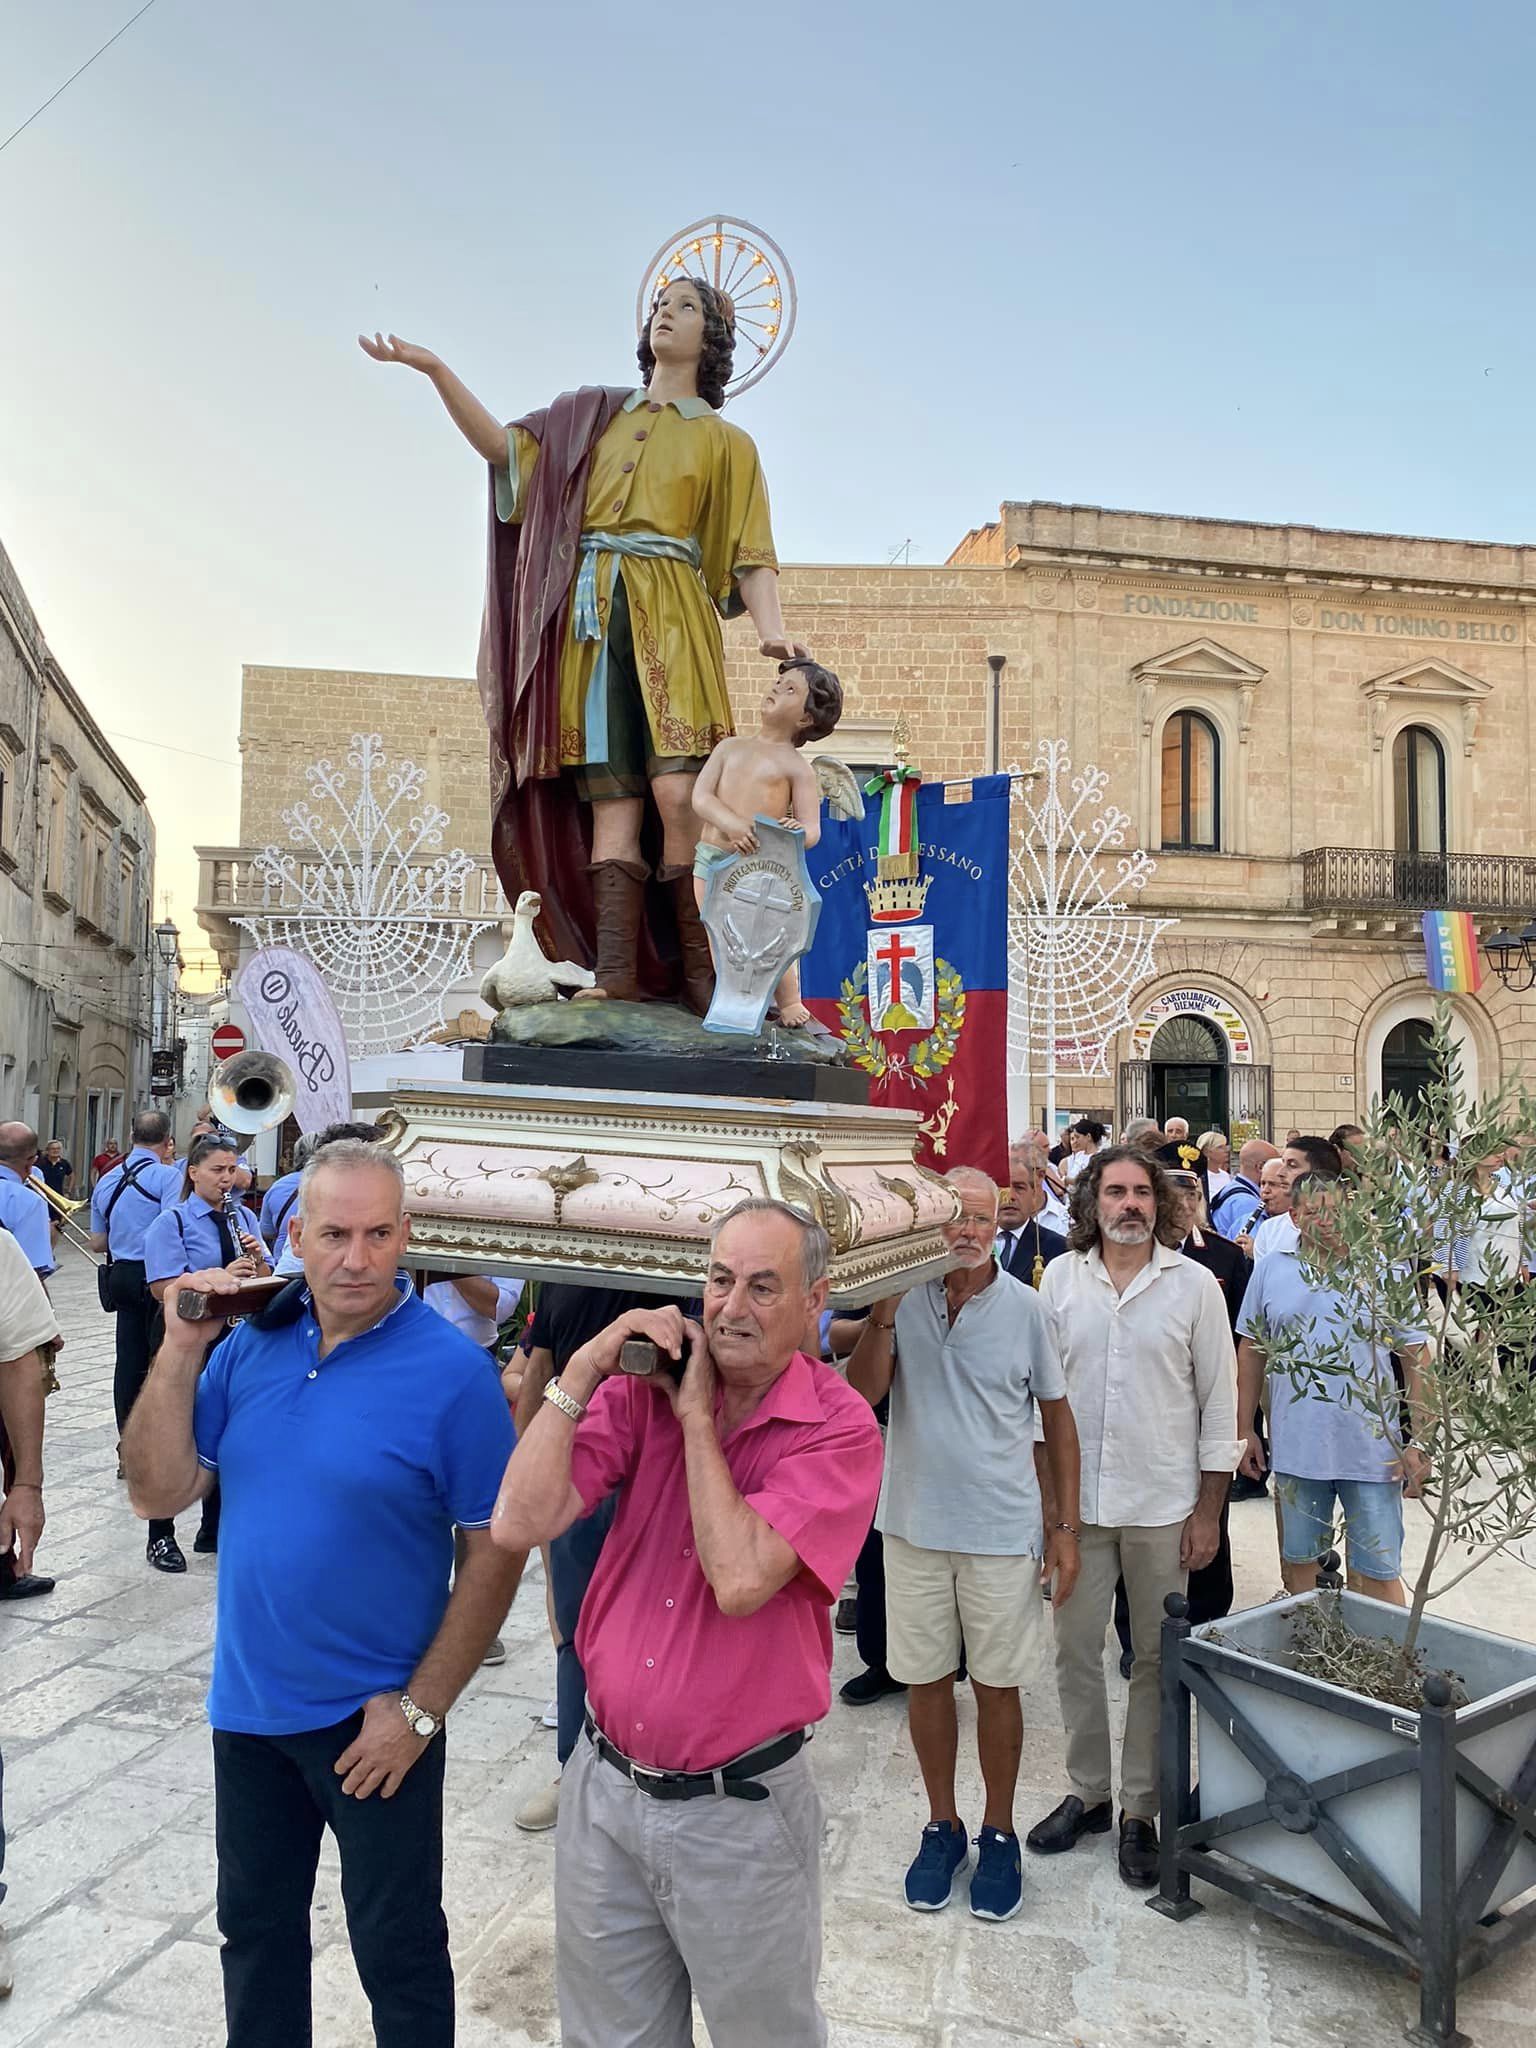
[[968, 1360]]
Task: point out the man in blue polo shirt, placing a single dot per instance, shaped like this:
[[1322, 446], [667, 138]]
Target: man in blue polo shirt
[[349, 1433], [1335, 1437], [24, 1207], [126, 1200]]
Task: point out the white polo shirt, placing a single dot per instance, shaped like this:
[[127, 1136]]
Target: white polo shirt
[[1275, 1234], [1152, 1383], [26, 1314]]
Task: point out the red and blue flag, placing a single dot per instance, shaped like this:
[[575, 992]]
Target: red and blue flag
[[910, 962]]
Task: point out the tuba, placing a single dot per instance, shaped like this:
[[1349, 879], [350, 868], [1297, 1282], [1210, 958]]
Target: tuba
[[252, 1092]]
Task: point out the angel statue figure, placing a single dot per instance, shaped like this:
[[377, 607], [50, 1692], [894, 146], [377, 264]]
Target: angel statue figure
[[622, 522]]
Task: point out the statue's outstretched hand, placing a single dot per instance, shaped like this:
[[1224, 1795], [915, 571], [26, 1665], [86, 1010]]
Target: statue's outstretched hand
[[391, 349], [776, 650]]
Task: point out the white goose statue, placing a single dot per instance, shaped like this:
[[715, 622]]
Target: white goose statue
[[523, 975]]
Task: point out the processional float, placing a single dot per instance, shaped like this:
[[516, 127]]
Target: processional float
[[596, 1138]]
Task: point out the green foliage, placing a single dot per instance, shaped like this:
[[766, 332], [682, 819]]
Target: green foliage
[[1403, 1212]]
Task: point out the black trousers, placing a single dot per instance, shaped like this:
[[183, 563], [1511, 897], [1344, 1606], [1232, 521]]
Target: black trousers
[[140, 1326], [134, 1316], [274, 1795], [869, 1605]]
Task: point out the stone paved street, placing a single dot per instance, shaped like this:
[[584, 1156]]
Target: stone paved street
[[108, 1794]]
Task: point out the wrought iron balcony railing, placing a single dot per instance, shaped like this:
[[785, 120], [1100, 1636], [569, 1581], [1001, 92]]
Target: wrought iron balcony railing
[[1377, 881]]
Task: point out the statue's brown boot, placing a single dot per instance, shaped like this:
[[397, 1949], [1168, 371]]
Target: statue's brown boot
[[618, 892], [692, 939]]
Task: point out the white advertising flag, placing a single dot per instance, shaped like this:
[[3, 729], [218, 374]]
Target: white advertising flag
[[292, 1015]]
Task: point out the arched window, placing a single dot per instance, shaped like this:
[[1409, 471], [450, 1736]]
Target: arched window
[[1418, 792], [1191, 784]]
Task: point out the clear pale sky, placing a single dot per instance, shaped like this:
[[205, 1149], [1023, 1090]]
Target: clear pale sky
[[1256, 261]]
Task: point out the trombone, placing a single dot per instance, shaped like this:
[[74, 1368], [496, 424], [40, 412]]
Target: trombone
[[72, 1233]]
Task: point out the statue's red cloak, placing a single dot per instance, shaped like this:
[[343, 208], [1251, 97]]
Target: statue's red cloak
[[540, 829]]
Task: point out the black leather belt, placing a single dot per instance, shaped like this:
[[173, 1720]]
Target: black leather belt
[[732, 1781]]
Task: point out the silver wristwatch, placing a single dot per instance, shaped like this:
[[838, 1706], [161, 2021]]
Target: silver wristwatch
[[422, 1723]]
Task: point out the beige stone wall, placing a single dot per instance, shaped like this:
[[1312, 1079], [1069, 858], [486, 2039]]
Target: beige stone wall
[[290, 717], [911, 642]]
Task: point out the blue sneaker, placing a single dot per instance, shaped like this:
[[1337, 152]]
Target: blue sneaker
[[997, 1887], [931, 1878]]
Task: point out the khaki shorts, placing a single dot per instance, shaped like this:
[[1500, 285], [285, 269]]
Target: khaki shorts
[[933, 1598]]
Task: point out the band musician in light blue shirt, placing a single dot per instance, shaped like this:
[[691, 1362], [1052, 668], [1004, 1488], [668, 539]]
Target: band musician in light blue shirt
[[203, 1230], [24, 1209]]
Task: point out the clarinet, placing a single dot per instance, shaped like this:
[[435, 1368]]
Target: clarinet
[[232, 1218], [250, 1298]]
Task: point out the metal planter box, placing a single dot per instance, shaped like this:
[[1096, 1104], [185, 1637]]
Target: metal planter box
[[1403, 1836]]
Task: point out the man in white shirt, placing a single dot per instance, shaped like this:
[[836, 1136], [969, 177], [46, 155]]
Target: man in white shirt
[[1274, 1231], [1151, 1374], [1301, 1155]]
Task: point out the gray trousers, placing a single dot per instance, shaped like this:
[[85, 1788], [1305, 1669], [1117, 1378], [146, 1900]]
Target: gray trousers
[[1149, 1561], [660, 1902]]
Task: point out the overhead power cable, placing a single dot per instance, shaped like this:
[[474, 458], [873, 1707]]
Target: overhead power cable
[[47, 103]]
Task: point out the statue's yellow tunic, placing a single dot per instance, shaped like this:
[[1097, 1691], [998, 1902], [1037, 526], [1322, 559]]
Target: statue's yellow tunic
[[681, 472]]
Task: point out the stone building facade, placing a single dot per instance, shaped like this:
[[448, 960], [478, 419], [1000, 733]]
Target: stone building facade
[[1318, 735], [77, 855]]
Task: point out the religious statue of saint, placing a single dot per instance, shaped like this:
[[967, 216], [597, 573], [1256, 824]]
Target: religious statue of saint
[[622, 522]]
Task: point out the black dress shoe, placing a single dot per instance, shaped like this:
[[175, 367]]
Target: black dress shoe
[[869, 1686], [1060, 1830], [1127, 1663], [846, 1619], [206, 1543], [26, 1586], [1138, 1852], [164, 1553]]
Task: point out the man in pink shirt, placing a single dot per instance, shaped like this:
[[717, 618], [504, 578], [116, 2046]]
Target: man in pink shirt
[[688, 1854]]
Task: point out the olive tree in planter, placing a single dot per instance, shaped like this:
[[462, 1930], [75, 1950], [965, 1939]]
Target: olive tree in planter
[[1367, 1771]]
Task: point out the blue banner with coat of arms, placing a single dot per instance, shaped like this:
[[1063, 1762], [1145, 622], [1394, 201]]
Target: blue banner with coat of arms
[[910, 968]]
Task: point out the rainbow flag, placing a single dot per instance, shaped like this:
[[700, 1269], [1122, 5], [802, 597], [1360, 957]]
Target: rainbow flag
[[1450, 952]]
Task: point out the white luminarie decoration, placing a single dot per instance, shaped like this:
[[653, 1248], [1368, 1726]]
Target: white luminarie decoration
[[1074, 950], [362, 898]]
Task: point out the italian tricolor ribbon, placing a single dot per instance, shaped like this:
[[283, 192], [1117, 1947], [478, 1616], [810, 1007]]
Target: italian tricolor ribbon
[[896, 838]]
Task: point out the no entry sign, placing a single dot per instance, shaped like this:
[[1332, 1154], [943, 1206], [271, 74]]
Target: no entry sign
[[228, 1039]]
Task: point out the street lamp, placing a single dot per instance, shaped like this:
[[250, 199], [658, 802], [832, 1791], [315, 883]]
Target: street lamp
[[1513, 957], [162, 1056]]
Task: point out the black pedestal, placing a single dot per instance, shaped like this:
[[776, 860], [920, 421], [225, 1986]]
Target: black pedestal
[[634, 1072]]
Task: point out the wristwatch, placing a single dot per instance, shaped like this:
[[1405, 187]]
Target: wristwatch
[[422, 1723], [557, 1397]]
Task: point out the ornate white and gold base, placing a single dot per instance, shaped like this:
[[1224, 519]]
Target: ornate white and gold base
[[598, 1187]]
